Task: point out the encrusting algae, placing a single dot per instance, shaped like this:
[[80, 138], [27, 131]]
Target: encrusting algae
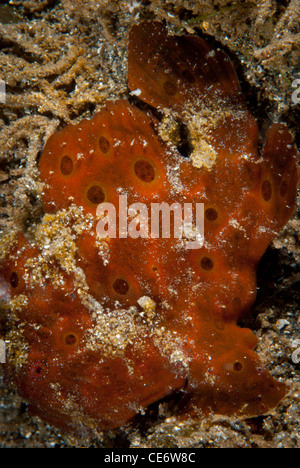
[[112, 325]]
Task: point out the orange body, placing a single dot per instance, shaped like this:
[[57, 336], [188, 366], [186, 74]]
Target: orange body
[[192, 340]]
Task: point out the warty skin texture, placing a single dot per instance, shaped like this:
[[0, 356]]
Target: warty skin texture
[[93, 356]]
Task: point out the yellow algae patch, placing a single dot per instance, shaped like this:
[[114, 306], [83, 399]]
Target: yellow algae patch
[[203, 155]]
